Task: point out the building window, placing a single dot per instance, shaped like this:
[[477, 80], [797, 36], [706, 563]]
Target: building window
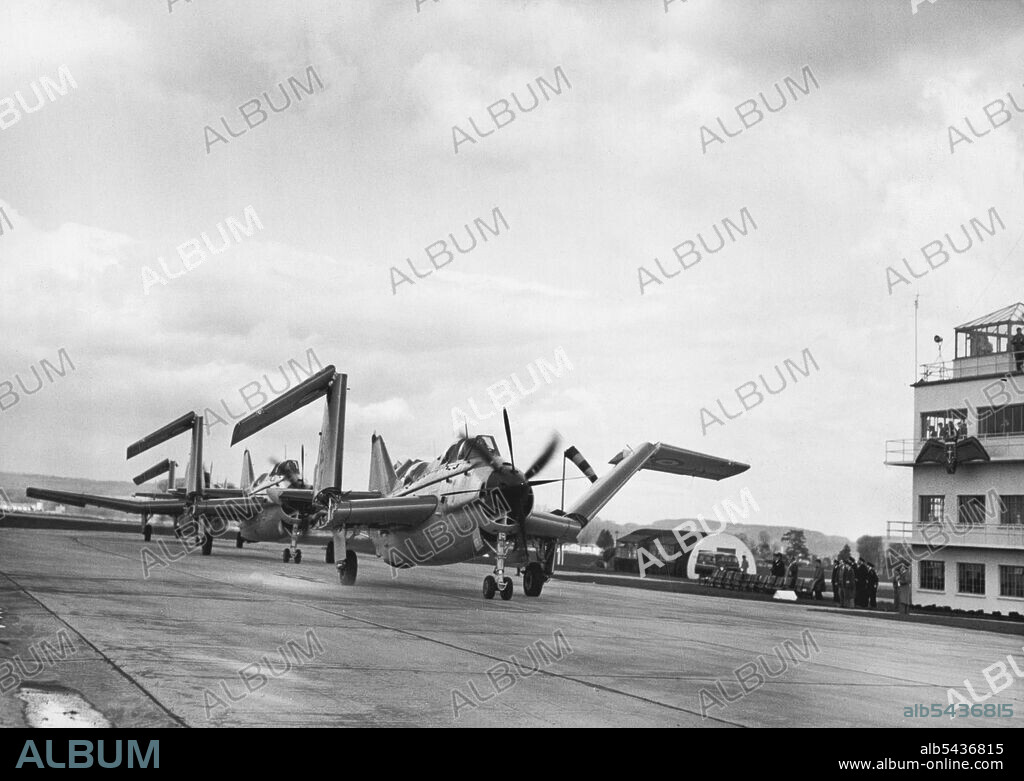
[[1011, 509], [944, 423], [933, 575], [1011, 581], [1001, 421], [971, 578], [933, 509], [970, 510]]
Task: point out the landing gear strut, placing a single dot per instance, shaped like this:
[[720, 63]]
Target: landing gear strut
[[348, 566], [498, 583], [292, 553]]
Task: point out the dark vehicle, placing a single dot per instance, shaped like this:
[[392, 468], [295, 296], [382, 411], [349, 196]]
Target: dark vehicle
[[709, 562]]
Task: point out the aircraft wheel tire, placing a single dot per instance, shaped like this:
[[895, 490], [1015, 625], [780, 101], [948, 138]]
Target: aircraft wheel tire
[[298, 556], [147, 533], [329, 555], [347, 572], [207, 545], [490, 587], [286, 556], [533, 580], [239, 542], [506, 589]]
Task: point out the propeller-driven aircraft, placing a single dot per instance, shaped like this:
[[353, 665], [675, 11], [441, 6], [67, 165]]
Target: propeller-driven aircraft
[[469, 501]]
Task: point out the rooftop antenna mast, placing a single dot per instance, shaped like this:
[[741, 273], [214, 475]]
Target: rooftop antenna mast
[[917, 306]]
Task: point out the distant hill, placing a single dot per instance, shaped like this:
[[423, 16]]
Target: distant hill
[[818, 543]]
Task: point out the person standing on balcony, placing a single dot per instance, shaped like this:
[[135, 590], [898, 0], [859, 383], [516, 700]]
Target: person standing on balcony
[[1017, 343]]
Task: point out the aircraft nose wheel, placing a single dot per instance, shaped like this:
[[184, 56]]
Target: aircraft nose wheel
[[286, 556], [490, 587], [329, 554], [207, 544], [506, 589], [298, 556], [239, 542], [147, 532]]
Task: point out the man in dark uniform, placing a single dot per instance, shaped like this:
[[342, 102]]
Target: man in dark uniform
[[778, 570], [872, 579], [849, 583], [1017, 343], [860, 575], [819, 578], [835, 581]]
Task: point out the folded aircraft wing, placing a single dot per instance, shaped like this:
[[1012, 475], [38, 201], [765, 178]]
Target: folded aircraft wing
[[393, 512], [677, 461], [167, 506], [551, 526]]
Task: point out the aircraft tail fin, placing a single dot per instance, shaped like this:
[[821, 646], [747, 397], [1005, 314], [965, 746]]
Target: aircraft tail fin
[[248, 477], [327, 382], [382, 473], [656, 457]]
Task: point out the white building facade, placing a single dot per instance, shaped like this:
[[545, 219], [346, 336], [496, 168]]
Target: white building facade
[[966, 535]]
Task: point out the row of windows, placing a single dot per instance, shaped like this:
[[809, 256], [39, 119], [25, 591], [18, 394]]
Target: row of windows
[[970, 578], [970, 509], [992, 422]]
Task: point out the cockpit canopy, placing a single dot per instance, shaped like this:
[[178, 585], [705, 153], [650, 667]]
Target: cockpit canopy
[[468, 448]]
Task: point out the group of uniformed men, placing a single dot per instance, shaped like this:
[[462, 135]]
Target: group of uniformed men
[[854, 583]]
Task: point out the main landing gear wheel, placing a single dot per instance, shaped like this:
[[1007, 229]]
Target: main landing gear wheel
[[298, 557], [533, 579], [490, 587], [239, 542], [207, 544], [147, 532], [347, 571], [329, 555], [286, 556], [506, 589]]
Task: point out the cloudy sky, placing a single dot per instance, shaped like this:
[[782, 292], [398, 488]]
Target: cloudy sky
[[100, 183]]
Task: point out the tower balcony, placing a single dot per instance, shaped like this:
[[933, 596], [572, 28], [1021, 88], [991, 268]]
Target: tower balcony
[[941, 535], [1000, 447]]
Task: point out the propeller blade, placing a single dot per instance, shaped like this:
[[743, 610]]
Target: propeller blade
[[302, 463], [508, 436], [543, 458]]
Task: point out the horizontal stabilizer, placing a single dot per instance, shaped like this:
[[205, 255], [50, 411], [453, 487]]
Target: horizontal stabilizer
[[179, 426], [285, 404]]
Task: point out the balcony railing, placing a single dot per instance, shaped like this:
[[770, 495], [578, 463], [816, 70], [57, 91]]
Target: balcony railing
[[938, 535], [1000, 447], [965, 368]]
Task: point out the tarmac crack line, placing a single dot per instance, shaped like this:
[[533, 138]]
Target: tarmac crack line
[[177, 719]]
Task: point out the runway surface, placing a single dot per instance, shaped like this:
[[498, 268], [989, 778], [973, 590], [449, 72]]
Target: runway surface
[[242, 639]]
